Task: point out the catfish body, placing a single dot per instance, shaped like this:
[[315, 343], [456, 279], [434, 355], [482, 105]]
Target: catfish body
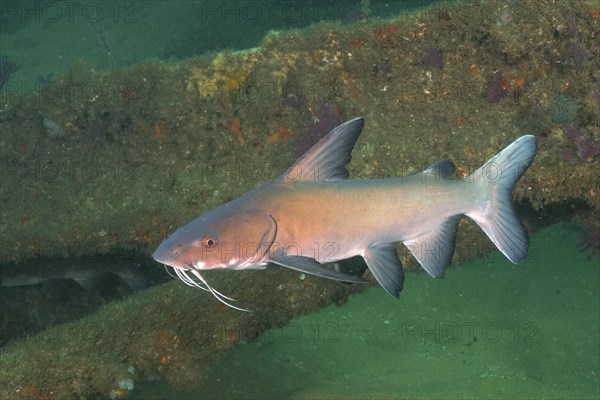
[[314, 214]]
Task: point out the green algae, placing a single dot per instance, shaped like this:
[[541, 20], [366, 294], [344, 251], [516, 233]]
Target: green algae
[[563, 109]]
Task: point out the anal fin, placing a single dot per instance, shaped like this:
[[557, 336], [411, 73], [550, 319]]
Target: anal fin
[[434, 249]]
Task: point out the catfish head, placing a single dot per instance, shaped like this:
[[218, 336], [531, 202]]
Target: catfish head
[[219, 240]]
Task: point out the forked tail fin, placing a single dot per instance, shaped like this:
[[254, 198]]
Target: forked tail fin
[[493, 210]]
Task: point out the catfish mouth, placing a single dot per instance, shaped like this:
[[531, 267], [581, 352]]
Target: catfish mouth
[[166, 256], [188, 273]]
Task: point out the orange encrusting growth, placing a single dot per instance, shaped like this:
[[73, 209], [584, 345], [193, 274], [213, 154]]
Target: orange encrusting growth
[[235, 126], [281, 134]]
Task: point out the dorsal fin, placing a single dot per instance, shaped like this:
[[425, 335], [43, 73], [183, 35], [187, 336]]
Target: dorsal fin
[[442, 169], [326, 161]]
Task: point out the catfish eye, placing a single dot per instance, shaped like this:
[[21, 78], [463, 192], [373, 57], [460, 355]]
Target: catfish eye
[[209, 241]]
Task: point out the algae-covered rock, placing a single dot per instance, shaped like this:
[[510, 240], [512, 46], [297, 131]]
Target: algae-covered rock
[[144, 149], [169, 332]]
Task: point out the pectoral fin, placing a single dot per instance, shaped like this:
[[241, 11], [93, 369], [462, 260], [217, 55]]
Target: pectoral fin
[[310, 266], [384, 264], [267, 239]]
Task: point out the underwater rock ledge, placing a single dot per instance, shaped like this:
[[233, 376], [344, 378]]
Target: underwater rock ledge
[[166, 332]]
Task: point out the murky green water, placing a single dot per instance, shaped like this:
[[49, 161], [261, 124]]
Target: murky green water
[[490, 329]]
